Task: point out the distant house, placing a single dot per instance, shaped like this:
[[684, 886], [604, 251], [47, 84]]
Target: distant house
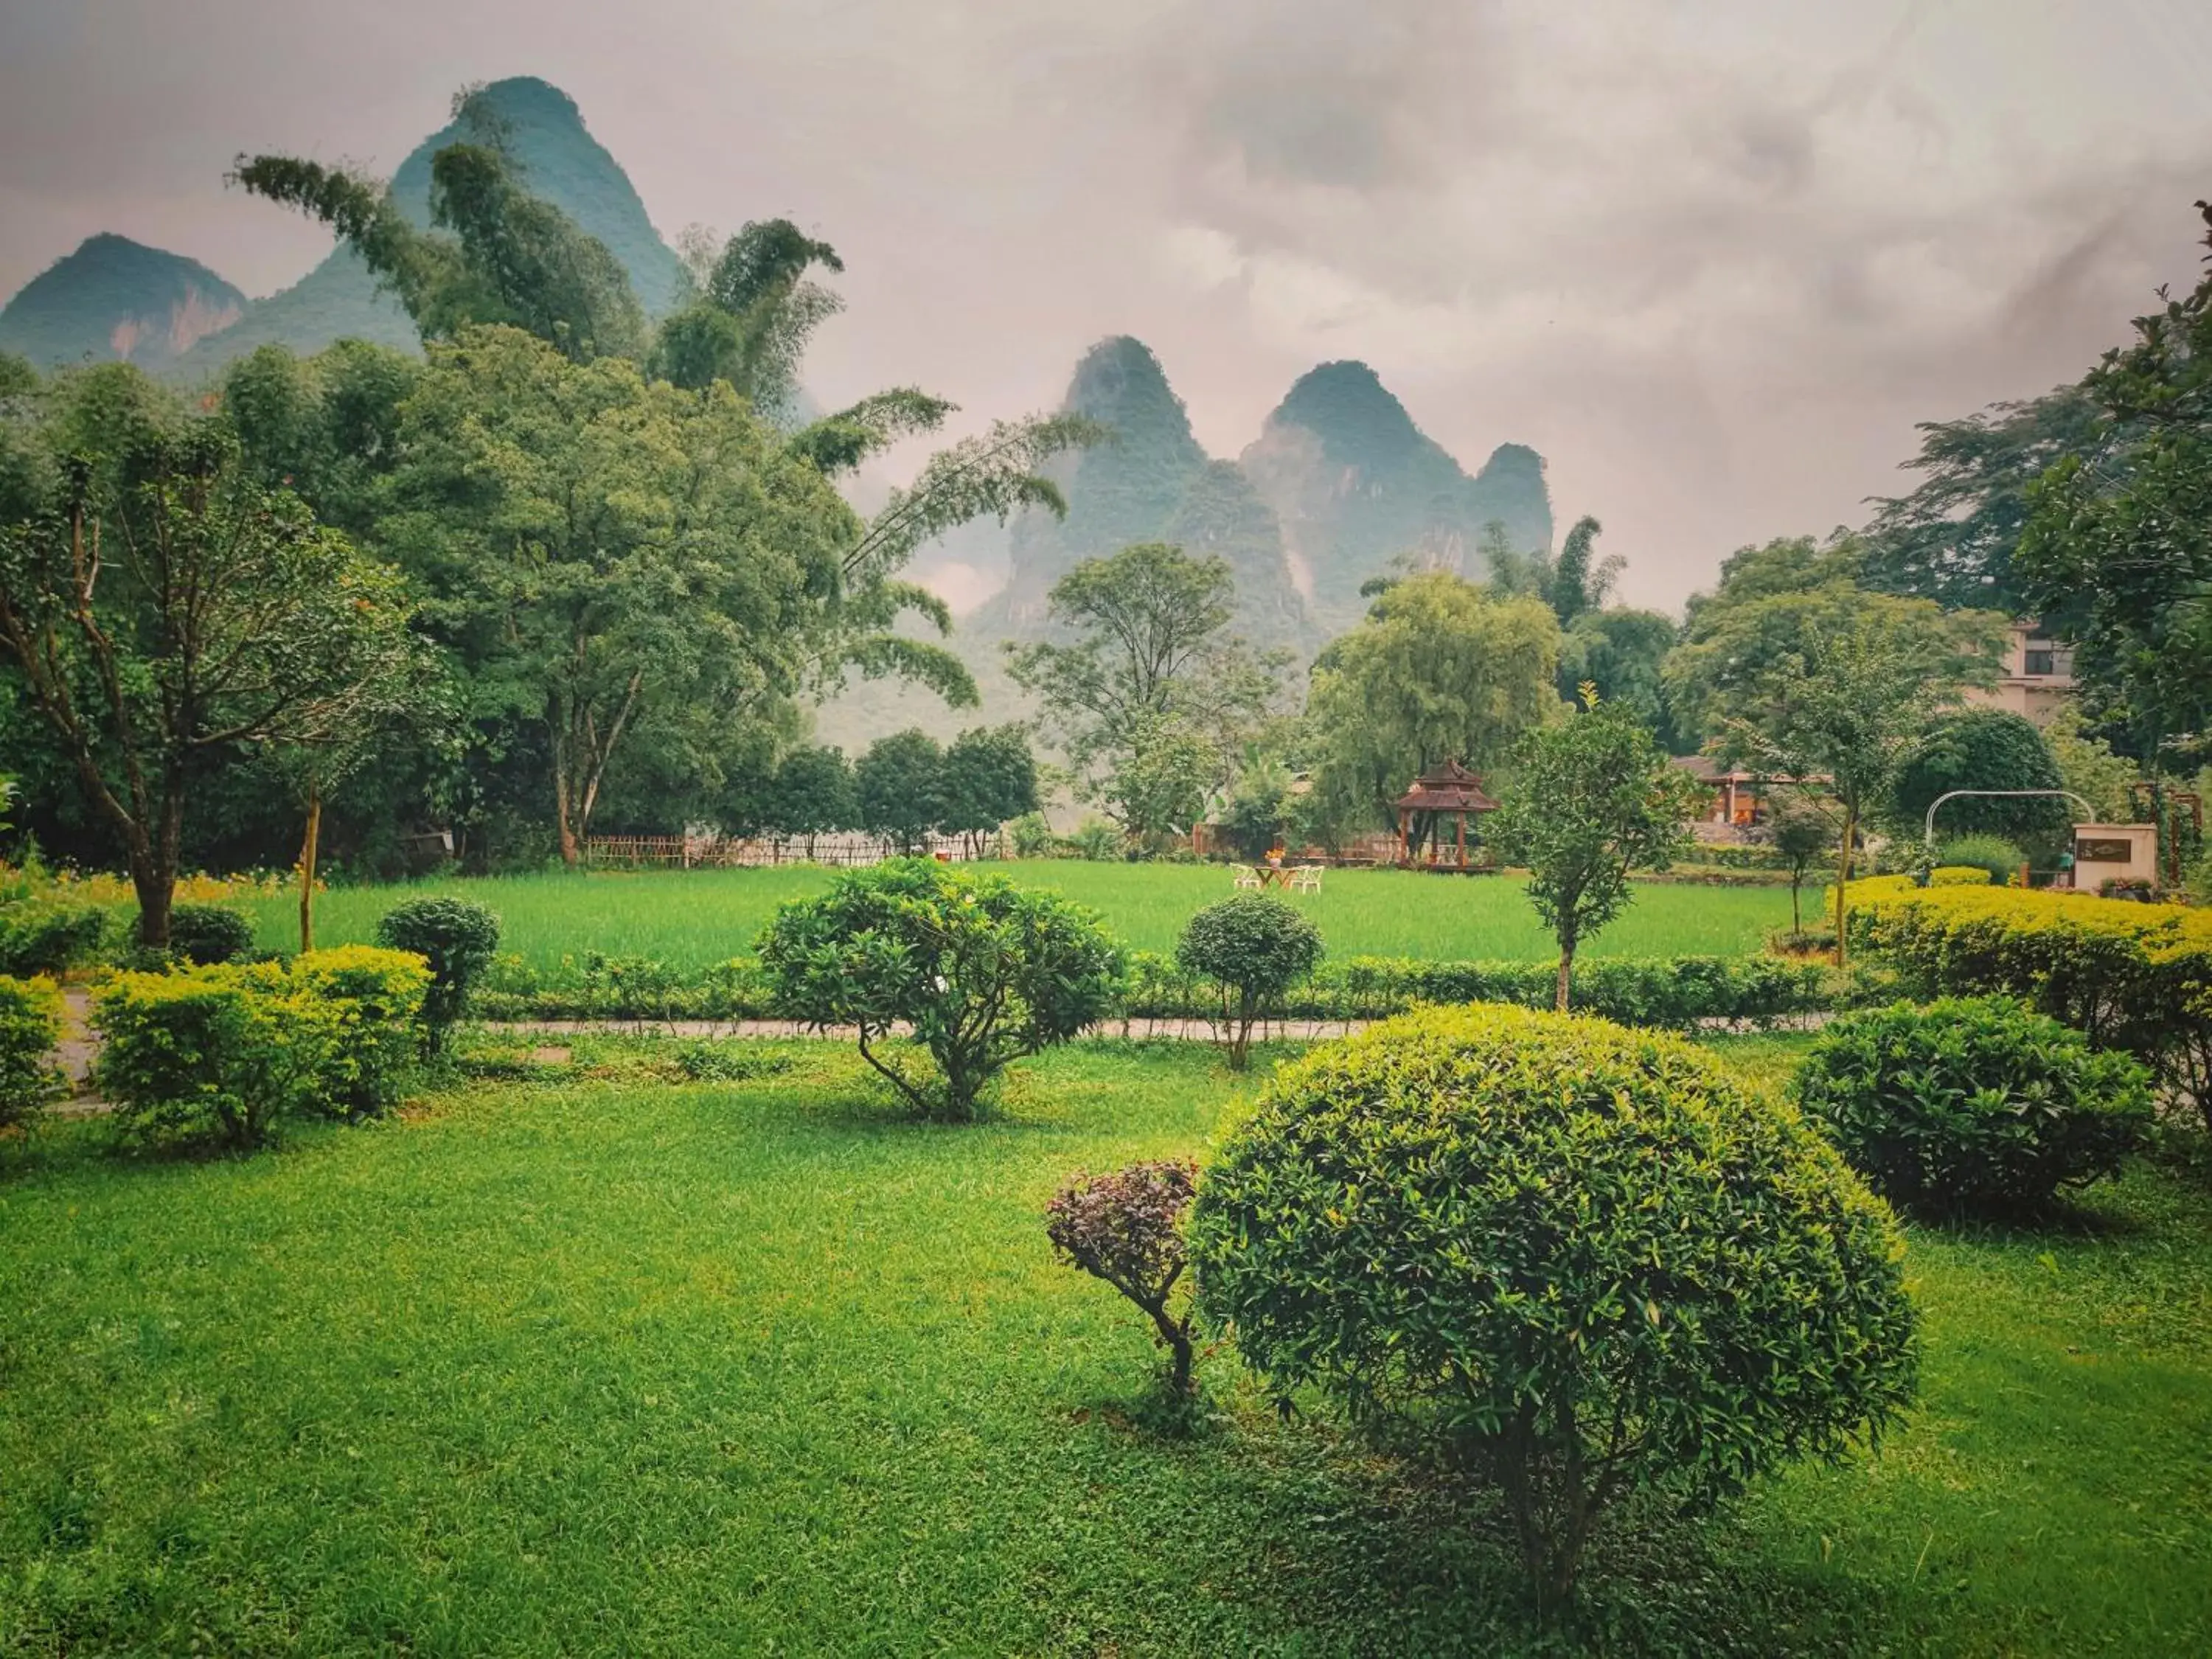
[[2037, 676]]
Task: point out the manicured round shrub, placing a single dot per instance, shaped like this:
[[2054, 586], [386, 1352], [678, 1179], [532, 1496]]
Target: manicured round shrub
[[1254, 948], [1971, 1104], [205, 934], [1580, 1259], [1127, 1229], [30, 1026], [981, 971], [458, 938], [1993, 854]]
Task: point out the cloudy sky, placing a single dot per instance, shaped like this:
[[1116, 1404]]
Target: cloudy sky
[[1713, 258]]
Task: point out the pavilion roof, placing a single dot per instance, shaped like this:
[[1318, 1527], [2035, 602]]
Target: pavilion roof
[[1449, 788]]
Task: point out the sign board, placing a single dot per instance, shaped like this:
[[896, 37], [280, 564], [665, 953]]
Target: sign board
[[2101, 851]]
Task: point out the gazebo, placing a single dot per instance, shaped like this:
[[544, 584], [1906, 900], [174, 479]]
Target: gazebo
[[1448, 789]]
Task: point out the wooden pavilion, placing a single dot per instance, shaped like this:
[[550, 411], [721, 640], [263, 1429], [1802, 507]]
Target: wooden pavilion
[[1446, 791]]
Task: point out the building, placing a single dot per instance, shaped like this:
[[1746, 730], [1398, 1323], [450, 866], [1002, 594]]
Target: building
[[2036, 678], [1739, 801]]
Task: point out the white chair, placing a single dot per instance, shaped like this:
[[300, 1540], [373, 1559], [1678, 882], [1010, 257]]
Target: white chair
[[1244, 875], [1306, 878]]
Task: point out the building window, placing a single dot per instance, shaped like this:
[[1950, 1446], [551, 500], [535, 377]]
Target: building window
[[2042, 659]]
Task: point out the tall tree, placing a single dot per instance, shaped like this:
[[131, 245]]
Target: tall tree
[[812, 793], [1848, 709], [2118, 549], [1591, 799], [899, 786], [168, 617], [1439, 670], [1955, 538], [990, 777]]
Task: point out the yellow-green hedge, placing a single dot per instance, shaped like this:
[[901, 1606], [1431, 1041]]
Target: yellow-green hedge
[[30, 1026], [2132, 976]]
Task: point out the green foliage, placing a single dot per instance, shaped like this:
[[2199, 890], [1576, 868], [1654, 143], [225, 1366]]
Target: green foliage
[[1099, 841], [2118, 549], [1984, 749], [1801, 831], [1955, 537], [2002, 859], [2089, 768], [204, 934], [30, 1026], [1439, 670], [1158, 785], [1583, 1261], [1254, 948], [220, 623], [899, 787], [374, 1005], [457, 939], [814, 795], [1127, 1229], [990, 777], [42, 935], [1591, 799], [1256, 812], [981, 971], [1972, 1104], [750, 325], [1033, 837]]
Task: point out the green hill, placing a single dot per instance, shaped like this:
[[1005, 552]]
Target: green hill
[[114, 298], [558, 158], [1357, 485]]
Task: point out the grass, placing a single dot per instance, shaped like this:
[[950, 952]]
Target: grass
[[614, 1364], [692, 919]]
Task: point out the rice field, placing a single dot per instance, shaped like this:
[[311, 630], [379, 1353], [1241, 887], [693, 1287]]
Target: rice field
[[691, 919]]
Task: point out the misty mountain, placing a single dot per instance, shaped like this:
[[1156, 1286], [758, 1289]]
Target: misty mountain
[[116, 299], [1355, 485], [544, 134]]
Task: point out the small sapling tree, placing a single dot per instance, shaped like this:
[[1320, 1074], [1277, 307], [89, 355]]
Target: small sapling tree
[[981, 971], [1800, 831], [1591, 799], [1127, 1229], [1254, 948]]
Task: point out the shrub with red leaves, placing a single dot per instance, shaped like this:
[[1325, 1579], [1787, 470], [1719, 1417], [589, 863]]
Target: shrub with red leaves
[[1127, 1229]]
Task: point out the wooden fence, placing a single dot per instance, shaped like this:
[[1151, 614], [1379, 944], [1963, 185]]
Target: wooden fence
[[727, 853]]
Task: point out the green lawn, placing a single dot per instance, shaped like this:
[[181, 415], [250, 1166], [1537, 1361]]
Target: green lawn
[[691, 919], [616, 1365]]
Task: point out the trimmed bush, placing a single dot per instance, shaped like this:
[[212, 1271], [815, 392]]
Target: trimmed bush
[[208, 1057], [205, 934], [1580, 1259], [1252, 949], [458, 939], [374, 999], [30, 1026], [983, 971], [1971, 1104], [2136, 977], [1127, 1229], [2000, 858], [48, 937]]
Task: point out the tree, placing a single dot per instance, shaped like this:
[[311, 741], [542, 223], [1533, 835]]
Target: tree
[[1850, 710], [1151, 647], [1254, 948], [1439, 670], [1621, 651], [1984, 749], [899, 787], [1777, 602], [990, 777], [1956, 538], [2118, 545], [1158, 786], [1578, 584], [167, 617], [1590, 800], [753, 314], [812, 793], [982, 972], [609, 556], [1801, 830]]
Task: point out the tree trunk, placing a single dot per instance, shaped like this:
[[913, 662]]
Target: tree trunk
[[564, 821], [156, 889], [1844, 875], [1796, 913], [307, 847], [1566, 974]]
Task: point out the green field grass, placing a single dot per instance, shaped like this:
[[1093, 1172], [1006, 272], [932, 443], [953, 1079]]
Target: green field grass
[[695, 918], [619, 1365]]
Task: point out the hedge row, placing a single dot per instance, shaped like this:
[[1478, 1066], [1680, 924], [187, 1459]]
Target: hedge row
[[2131, 976], [1670, 992], [218, 1056]]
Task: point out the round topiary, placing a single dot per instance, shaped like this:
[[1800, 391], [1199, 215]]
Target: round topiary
[[205, 934], [1582, 1258], [458, 938], [1971, 1104], [1254, 948]]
